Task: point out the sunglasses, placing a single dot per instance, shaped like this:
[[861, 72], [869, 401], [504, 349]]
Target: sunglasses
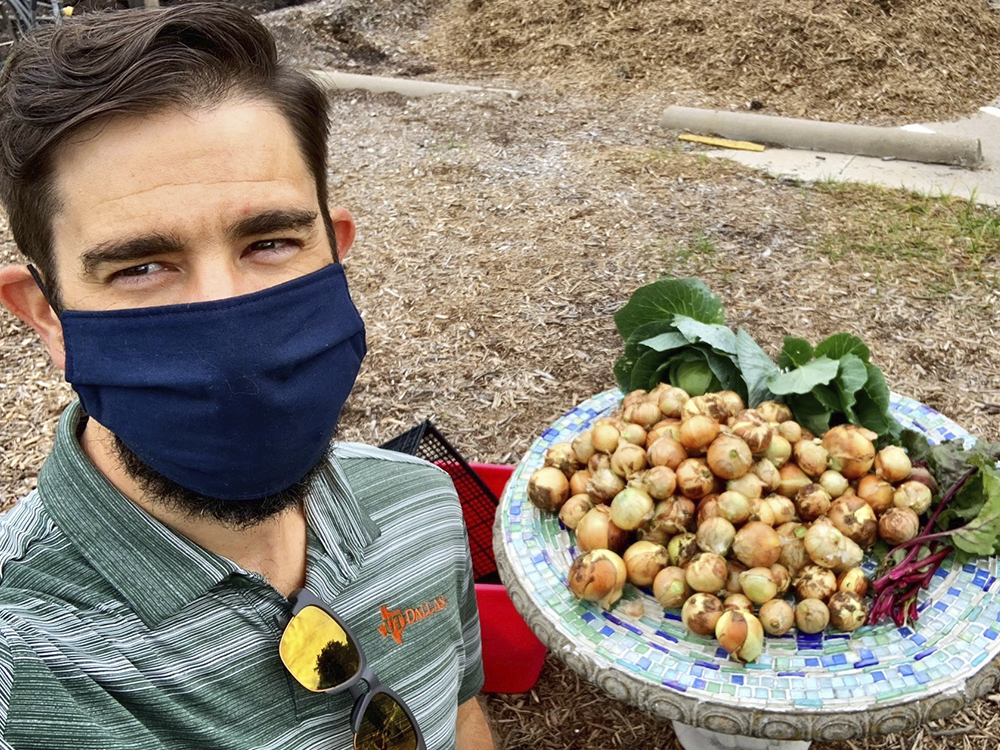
[[320, 651]]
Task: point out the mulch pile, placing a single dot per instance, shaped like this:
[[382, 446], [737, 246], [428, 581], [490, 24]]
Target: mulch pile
[[844, 60]]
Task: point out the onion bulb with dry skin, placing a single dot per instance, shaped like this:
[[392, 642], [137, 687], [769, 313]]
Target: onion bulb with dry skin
[[774, 412], [892, 464], [899, 525], [876, 492], [793, 479], [782, 509], [628, 459], [748, 484], [733, 506], [562, 457], [812, 502], [833, 482], [782, 578], [757, 545], [855, 519], [596, 531], [767, 473], [694, 479], [776, 616], [849, 451], [671, 400], [854, 581], [598, 461], [847, 611], [923, 475], [634, 397], [670, 588], [778, 451], [913, 495], [811, 615], [710, 405], [548, 488], [583, 448], [716, 535], [815, 582], [738, 601], [753, 429], [604, 436], [701, 612], [708, 507], [794, 556], [643, 560], [631, 508], [597, 576], [634, 434], [729, 457], [682, 549], [761, 512], [698, 432], [578, 482], [790, 431], [604, 485], [675, 516], [811, 457], [574, 509], [666, 452], [740, 634], [733, 579], [643, 414], [660, 482], [831, 549], [758, 584], [707, 572], [732, 401]]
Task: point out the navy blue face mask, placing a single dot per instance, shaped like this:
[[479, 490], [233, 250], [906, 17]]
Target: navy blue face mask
[[235, 398]]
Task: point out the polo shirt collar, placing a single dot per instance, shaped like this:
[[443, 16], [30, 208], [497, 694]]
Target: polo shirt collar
[[155, 569]]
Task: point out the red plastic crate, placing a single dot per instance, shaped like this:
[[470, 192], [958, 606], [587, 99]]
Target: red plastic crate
[[513, 656]]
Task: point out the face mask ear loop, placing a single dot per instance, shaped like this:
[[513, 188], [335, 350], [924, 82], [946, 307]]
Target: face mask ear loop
[[41, 285]]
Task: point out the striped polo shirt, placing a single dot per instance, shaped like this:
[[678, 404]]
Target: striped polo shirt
[[116, 632]]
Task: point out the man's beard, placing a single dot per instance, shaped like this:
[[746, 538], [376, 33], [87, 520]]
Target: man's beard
[[236, 514]]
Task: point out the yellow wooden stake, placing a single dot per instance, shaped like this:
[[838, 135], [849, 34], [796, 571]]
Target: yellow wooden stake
[[723, 142]]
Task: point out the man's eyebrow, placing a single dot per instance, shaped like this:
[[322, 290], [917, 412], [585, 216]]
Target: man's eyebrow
[[131, 249], [269, 222]]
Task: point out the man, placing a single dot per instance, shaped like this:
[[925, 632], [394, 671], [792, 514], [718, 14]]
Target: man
[[167, 180]]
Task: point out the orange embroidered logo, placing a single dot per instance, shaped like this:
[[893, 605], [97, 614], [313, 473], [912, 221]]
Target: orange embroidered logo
[[395, 621]]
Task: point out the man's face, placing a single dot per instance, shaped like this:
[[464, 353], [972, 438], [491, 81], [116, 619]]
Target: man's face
[[187, 207], [184, 207]]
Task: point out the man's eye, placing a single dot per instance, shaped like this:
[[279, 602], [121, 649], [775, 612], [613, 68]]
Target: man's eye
[[274, 245], [144, 270]]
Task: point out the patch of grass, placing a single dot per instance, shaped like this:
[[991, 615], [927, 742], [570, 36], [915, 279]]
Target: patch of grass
[[944, 239]]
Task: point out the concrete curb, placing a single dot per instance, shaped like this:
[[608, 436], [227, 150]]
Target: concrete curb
[[832, 137], [336, 81]]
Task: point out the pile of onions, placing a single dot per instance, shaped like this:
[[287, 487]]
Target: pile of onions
[[741, 518]]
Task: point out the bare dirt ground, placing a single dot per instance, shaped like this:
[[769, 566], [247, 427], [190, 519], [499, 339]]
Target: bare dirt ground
[[496, 237]]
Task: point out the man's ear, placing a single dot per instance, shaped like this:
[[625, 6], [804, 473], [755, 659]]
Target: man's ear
[[343, 230], [20, 294]]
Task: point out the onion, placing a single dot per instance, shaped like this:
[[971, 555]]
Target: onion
[[758, 584], [670, 588], [778, 451], [675, 516], [782, 578], [848, 611], [831, 549], [748, 484], [548, 488], [716, 535], [811, 457], [899, 525], [761, 511], [682, 549], [574, 509], [671, 400], [774, 412], [757, 545], [562, 457], [643, 414], [578, 482], [604, 437], [855, 519], [782, 509], [583, 448], [913, 495], [634, 434], [892, 464], [660, 482], [628, 459], [794, 556], [707, 572], [596, 531], [853, 580], [732, 401], [733, 579], [666, 452], [793, 479], [631, 508], [733, 506], [597, 576], [834, 483], [790, 431], [698, 432], [729, 457], [604, 485], [738, 601], [812, 502], [768, 474], [694, 478], [599, 461], [710, 405], [708, 507], [643, 560], [634, 397], [850, 452], [876, 492], [811, 615], [815, 582], [740, 634], [923, 475], [776, 616], [751, 427], [701, 612]]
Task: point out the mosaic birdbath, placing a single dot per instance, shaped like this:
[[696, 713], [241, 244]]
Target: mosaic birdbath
[[829, 686]]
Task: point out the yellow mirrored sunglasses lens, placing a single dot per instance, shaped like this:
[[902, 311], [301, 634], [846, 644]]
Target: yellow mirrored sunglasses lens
[[385, 726], [317, 651]]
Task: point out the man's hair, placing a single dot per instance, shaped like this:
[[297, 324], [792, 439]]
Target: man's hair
[[99, 66]]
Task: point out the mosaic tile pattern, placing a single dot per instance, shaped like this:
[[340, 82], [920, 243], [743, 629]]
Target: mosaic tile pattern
[[957, 634]]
